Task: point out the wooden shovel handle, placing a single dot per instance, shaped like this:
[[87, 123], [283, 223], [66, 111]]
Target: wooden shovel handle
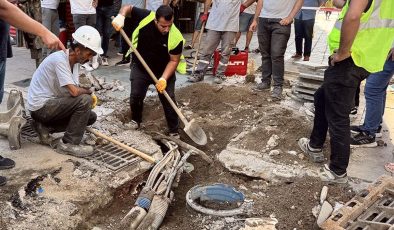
[[128, 148], [152, 75], [198, 47]]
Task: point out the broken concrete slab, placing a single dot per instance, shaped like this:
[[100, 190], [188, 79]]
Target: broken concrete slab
[[325, 212], [260, 224], [253, 164]]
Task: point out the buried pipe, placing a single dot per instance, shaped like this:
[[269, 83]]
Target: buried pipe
[[158, 136]]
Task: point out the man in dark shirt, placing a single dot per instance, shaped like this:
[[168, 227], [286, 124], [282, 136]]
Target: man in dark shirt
[[151, 38]]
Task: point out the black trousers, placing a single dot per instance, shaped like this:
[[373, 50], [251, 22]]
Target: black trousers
[[140, 81], [273, 39], [303, 30], [333, 102], [67, 114]]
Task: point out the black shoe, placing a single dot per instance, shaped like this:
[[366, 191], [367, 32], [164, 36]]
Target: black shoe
[[3, 180], [123, 62], [363, 139], [188, 47], [6, 163], [261, 87], [355, 129]]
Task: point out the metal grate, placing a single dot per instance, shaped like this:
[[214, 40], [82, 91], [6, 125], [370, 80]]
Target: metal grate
[[113, 157], [109, 155]]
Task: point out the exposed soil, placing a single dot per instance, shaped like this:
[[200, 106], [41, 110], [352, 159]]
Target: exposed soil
[[224, 112]]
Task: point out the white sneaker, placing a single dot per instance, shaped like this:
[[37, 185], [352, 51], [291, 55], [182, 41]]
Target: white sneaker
[[87, 67], [104, 61], [95, 63]]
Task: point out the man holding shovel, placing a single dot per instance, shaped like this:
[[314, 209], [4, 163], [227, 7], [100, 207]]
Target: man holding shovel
[[160, 44]]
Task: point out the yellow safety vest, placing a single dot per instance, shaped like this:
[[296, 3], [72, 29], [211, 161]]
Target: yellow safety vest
[[174, 38], [374, 37]]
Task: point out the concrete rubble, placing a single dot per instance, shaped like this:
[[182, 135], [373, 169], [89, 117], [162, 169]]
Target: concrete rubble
[[254, 164]]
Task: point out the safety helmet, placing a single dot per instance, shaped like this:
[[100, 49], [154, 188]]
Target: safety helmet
[[88, 37]]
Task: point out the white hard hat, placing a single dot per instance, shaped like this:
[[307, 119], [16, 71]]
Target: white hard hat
[[88, 37]]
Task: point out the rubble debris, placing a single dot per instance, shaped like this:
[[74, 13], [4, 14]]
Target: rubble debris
[[252, 164], [272, 142], [323, 194], [260, 224], [274, 152], [325, 212]]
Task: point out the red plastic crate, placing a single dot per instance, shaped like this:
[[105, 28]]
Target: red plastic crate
[[237, 64]]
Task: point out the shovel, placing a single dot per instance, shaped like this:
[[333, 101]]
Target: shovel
[[198, 47], [192, 129]]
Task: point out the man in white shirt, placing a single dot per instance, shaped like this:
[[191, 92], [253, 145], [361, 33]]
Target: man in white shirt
[[56, 102], [275, 18], [83, 12], [222, 25], [152, 5], [50, 19]]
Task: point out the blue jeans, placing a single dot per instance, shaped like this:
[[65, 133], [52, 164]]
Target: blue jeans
[[103, 25], [375, 97], [2, 78]]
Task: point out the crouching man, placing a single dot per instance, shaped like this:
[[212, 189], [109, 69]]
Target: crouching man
[[56, 102]]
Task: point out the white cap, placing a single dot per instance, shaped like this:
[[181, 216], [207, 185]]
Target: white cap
[[88, 37]]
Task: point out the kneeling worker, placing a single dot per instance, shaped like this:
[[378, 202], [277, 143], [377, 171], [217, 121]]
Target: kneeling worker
[[56, 102], [160, 44]]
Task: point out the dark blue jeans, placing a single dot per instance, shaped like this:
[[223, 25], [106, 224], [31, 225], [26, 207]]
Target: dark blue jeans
[[333, 102], [375, 97], [273, 39], [303, 30], [103, 25]]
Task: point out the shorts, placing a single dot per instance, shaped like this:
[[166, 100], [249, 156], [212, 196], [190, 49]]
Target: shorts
[[245, 20], [198, 23]]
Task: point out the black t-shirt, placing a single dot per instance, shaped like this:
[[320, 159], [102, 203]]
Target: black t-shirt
[[152, 45], [105, 3]]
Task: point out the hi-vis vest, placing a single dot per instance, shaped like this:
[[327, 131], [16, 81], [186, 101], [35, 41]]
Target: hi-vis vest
[[374, 37], [174, 38]]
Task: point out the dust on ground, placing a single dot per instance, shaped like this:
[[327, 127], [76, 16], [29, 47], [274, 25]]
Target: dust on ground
[[227, 113]]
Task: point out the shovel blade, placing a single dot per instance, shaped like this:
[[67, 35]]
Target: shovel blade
[[195, 132]]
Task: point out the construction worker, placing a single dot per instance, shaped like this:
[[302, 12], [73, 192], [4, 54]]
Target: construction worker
[[9, 13], [359, 43], [375, 100], [274, 28], [55, 100], [222, 26], [160, 44]]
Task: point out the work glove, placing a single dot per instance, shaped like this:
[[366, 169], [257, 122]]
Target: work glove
[[161, 85], [242, 8], [94, 100], [204, 18], [118, 22]]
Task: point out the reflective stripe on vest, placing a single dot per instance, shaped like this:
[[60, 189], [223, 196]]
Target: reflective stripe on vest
[[374, 37], [174, 38]]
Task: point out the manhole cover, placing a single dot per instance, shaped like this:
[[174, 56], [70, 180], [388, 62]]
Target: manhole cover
[[109, 155]]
